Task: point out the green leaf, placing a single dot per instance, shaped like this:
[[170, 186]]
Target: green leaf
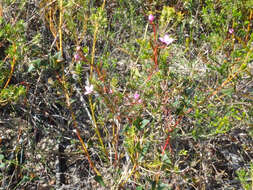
[[162, 186], [85, 49], [166, 159], [31, 68], [137, 122], [145, 148], [1, 156], [57, 55], [99, 179], [144, 123], [34, 64], [139, 188], [2, 165]]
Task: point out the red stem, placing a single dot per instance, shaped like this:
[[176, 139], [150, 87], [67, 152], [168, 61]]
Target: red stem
[[168, 138]]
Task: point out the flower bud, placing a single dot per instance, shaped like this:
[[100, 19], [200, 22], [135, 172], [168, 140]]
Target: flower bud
[[151, 18]]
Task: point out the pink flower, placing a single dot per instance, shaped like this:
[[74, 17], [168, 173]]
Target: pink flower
[[166, 39], [77, 57], [151, 18], [78, 48], [231, 31], [89, 89], [136, 96]]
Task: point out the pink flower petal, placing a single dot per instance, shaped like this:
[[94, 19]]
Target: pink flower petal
[[89, 89], [77, 57], [161, 39], [78, 48], [136, 96], [166, 39], [231, 30], [151, 18]]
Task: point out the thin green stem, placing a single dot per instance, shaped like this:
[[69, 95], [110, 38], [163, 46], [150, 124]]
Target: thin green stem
[[96, 127], [91, 74]]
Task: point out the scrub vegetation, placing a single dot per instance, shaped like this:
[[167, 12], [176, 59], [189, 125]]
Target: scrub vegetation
[[126, 94]]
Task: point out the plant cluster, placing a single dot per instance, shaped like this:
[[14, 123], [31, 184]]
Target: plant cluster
[[126, 94]]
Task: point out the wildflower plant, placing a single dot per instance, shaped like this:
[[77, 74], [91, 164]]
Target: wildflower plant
[[130, 91]]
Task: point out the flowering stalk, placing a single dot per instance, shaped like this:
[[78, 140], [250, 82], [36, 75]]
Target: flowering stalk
[[155, 47], [92, 107], [151, 18], [63, 82], [166, 40]]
